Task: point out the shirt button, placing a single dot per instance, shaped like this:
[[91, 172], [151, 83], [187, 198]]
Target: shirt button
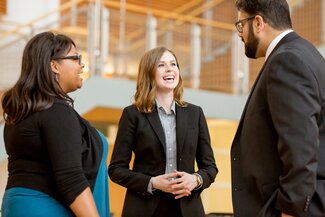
[[170, 165], [169, 149]]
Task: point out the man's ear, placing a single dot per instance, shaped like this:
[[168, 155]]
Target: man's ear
[[55, 67], [259, 23]]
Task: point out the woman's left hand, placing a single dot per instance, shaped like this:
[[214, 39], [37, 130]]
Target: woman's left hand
[[183, 184]]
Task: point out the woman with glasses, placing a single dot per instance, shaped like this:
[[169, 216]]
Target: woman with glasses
[[56, 159]]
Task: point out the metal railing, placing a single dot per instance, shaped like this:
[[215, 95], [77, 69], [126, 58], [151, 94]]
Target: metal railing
[[113, 35]]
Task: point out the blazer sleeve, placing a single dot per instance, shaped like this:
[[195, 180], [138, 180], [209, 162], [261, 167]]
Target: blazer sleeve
[[204, 155], [293, 99], [119, 171]]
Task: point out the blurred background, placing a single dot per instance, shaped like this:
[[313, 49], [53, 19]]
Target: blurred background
[[112, 35]]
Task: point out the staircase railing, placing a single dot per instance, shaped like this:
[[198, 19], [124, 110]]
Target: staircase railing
[[112, 40], [26, 30], [113, 35]]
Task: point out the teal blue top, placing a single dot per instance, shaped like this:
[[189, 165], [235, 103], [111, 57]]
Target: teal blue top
[[100, 191], [18, 201]]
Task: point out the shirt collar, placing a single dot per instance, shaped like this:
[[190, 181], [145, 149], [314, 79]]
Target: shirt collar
[[275, 42], [172, 107]]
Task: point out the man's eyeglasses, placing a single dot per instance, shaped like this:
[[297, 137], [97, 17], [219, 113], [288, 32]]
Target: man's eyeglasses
[[240, 23], [73, 57]]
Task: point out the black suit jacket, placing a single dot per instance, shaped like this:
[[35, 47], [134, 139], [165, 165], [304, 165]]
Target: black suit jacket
[[278, 153], [143, 135]]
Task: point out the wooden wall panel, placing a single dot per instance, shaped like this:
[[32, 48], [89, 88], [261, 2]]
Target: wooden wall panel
[[3, 7]]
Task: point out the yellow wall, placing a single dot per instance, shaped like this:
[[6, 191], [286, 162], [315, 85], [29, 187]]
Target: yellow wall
[[217, 198], [116, 193]]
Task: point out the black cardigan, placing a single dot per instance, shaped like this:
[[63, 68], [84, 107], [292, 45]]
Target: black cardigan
[[54, 151]]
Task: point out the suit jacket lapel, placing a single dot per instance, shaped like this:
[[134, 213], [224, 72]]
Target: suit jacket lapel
[[247, 101], [155, 123], [181, 127], [288, 37]]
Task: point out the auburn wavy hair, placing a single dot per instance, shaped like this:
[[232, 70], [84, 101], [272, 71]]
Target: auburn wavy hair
[[144, 98]]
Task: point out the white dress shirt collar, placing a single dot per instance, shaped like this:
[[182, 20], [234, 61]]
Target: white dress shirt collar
[[275, 42]]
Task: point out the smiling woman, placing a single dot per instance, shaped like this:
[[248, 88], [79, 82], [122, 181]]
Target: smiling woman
[[56, 159], [167, 75], [167, 136], [68, 73]]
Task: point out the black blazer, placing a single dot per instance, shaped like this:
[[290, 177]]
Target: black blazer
[[278, 153], [143, 135]]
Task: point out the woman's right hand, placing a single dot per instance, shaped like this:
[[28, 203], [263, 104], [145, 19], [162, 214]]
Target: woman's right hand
[[84, 205], [164, 182]]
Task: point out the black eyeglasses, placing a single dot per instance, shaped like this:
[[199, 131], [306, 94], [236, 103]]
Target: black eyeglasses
[[240, 23], [73, 57]]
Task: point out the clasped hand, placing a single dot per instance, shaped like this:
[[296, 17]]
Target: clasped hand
[[177, 183]]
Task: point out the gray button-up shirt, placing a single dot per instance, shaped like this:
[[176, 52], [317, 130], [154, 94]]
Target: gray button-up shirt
[[168, 122]]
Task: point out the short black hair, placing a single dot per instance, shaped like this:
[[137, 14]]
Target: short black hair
[[274, 12]]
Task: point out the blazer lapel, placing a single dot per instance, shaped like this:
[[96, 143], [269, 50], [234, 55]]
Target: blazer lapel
[[288, 37], [181, 128], [247, 101], [155, 123]]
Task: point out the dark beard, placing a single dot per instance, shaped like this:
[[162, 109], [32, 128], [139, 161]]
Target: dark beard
[[251, 44]]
